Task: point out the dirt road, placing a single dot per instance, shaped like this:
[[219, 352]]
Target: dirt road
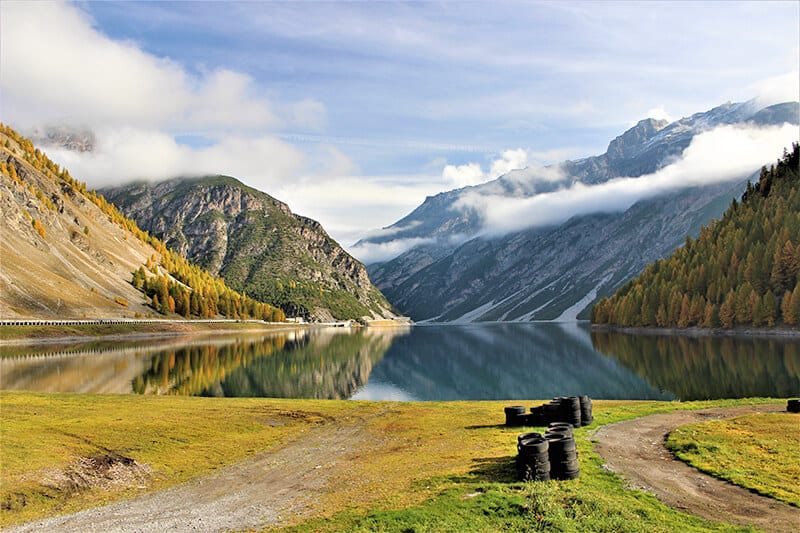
[[635, 450], [258, 492]]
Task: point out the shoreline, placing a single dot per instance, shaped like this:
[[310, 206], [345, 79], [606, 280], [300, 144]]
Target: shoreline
[[699, 332], [53, 334]]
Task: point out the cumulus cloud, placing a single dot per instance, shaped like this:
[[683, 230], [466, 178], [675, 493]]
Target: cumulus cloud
[[125, 154], [659, 113], [458, 176], [724, 154], [463, 175], [57, 68]]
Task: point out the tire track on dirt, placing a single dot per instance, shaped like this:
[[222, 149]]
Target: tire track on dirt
[[635, 450]]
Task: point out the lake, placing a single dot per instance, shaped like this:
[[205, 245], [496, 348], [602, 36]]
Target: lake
[[448, 362]]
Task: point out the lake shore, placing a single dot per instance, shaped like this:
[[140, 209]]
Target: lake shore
[[700, 332], [45, 334]]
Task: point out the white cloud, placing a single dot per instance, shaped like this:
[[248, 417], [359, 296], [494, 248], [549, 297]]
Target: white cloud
[[659, 113], [510, 160], [350, 206], [58, 69], [370, 252], [723, 154], [778, 89], [125, 154], [458, 176]]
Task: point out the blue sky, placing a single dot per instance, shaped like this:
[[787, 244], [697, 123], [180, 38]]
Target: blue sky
[[353, 112]]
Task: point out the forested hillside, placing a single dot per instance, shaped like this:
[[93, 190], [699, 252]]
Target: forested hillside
[[742, 270], [67, 252]]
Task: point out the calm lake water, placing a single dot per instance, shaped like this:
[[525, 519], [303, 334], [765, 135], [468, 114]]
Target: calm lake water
[[475, 362]]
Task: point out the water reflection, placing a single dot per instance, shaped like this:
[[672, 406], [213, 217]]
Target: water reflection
[[331, 364], [480, 361], [698, 368], [320, 363], [499, 361]]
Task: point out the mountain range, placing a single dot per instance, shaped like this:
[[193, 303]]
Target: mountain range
[[459, 270]]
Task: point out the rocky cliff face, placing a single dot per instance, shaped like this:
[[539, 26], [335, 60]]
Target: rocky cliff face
[[556, 272], [256, 244]]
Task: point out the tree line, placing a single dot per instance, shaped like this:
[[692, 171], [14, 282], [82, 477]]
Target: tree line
[[742, 270]]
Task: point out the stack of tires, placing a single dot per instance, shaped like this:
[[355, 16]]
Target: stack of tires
[[533, 457], [570, 411], [575, 410], [515, 416], [562, 451], [586, 411], [793, 406]]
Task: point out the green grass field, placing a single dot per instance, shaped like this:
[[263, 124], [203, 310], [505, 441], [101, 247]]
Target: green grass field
[[429, 466], [758, 452]]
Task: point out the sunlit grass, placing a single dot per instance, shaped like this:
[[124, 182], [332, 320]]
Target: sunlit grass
[[450, 467], [177, 437], [759, 452], [428, 466]]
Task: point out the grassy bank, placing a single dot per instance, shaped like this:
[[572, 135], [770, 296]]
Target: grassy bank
[[422, 466], [15, 334], [758, 452]]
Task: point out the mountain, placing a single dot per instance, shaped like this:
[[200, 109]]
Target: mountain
[[462, 272], [741, 271], [65, 252], [256, 244]]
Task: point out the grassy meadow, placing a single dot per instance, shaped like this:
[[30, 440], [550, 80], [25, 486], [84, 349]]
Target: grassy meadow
[[758, 452], [429, 466]]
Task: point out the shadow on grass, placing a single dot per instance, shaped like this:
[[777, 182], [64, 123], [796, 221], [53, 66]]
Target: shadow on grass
[[487, 426], [489, 470]]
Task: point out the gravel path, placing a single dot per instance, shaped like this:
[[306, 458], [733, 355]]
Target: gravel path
[[253, 494], [635, 450]]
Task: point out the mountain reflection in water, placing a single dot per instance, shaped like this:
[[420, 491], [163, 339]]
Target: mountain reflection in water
[[501, 361], [447, 362]]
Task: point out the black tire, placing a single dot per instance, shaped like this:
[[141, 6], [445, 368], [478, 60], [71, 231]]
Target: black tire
[[516, 409], [793, 406], [516, 420], [566, 456], [527, 436], [534, 467], [533, 447], [534, 458], [562, 445]]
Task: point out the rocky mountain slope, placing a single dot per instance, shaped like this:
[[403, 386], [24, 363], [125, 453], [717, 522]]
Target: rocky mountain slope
[[256, 244], [556, 271], [60, 255], [65, 252]]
